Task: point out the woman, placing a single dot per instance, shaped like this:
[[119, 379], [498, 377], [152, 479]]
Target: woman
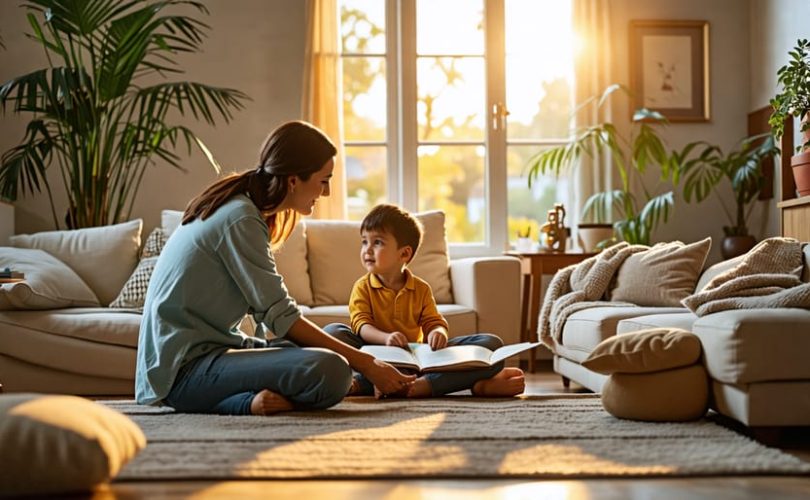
[[216, 268]]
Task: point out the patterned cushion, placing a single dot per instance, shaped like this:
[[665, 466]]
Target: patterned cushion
[[133, 294]]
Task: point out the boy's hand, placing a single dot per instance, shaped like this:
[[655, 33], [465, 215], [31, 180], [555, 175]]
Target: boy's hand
[[397, 339], [437, 340]]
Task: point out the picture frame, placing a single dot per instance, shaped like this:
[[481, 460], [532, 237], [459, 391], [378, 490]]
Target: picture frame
[[669, 68]]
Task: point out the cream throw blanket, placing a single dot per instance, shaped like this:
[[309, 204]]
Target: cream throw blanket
[[767, 277], [581, 286]]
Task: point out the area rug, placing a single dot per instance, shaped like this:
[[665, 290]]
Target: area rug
[[536, 437]]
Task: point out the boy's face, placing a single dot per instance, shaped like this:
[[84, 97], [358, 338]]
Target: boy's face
[[379, 253]]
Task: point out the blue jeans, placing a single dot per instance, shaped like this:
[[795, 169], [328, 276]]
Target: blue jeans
[[225, 381], [441, 383]]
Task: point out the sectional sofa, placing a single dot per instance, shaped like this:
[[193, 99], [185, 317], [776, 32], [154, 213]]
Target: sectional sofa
[[757, 359], [60, 336]]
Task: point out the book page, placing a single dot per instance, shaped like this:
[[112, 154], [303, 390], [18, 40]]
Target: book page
[[396, 356], [510, 350], [457, 356]]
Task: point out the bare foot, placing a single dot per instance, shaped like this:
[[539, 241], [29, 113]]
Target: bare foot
[[420, 389], [508, 382], [355, 388], [268, 402]]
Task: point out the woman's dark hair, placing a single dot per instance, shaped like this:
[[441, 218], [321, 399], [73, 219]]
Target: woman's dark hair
[[294, 148]]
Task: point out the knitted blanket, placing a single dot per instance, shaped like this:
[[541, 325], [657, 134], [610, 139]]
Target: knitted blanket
[[581, 286], [767, 277]]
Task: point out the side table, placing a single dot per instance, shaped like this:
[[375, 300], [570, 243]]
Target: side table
[[533, 265]]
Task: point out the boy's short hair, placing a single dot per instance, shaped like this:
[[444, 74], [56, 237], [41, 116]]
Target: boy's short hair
[[404, 227]]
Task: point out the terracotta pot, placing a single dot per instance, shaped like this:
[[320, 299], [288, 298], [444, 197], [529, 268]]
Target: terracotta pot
[[801, 172], [590, 235], [736, 245]]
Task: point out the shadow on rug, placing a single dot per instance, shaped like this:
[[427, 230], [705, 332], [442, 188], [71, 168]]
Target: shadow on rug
[[536, 437]]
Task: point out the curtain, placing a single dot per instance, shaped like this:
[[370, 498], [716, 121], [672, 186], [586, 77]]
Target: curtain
[[321, 104], [592, 75]]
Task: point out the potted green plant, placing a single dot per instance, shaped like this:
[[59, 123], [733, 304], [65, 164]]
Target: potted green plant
[[95, 109], [636, 208], [794, 101], [740, 170]]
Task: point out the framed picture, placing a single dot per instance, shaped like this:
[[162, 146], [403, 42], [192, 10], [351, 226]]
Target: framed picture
[[669, 68]]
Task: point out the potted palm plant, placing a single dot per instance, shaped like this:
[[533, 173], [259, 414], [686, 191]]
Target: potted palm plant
[[739, 169], [95, 111], [794, 101], [636, 208]]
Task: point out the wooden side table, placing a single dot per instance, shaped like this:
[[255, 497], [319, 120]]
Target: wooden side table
[[533, 265]]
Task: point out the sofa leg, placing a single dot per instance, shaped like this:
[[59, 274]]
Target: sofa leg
[[566, 382], [770, 436]]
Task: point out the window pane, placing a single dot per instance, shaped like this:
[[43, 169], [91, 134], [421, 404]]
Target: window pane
[[364, 98], [451, 103], [450, 27], [451, 178], [528, 208], [539, 74], [362, 26], [366, 179]]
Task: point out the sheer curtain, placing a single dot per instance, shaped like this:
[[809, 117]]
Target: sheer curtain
[[321, 104], [592, 74]]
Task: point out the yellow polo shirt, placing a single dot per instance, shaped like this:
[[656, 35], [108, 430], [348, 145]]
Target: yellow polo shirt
[[411, 311]]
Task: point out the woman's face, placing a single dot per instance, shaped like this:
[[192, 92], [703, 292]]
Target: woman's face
[[303, 194]]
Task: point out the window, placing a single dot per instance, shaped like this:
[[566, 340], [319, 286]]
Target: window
[[425, 110]]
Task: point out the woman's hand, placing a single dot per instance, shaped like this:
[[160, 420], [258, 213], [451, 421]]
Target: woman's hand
[[397, 339], [437, 339], [386, 378]]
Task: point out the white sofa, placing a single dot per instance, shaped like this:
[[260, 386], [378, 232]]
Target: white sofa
[[757, 359], [91, 350]]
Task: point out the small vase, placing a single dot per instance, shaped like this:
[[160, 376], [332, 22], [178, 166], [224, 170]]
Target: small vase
[[736, 245]]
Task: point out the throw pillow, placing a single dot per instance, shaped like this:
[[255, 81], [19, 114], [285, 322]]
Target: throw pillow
[[661, 276], [644, 351], [59, 444], [330, 242], [676, 395], [103, 257], [170, 220], [49, 283], [291, 263], [133, 294]]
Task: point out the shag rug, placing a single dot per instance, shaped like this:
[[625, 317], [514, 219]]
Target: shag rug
[[535, 437]]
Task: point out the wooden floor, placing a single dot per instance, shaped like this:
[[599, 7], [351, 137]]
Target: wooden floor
[[543, 382]]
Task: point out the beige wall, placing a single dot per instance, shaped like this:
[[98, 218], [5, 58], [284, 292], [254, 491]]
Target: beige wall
[[776, 25], [728, 58], [256, 46]]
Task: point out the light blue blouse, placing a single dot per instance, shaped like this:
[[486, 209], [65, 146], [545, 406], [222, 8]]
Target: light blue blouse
[[209, 275]]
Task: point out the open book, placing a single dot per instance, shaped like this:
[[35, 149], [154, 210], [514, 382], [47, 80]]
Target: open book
[[422, 358]]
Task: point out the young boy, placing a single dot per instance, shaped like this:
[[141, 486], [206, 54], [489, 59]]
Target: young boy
[[391, 306]]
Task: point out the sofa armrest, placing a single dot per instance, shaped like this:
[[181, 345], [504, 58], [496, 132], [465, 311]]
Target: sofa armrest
[[491, 287]]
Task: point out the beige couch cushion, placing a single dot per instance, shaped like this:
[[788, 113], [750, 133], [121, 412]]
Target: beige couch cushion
[[644, 351], [716, 270], [683, 320], [59, 444], [748, 346], [49, 283], [661, 276], [113, 249], [331, 241], [675, 395], [585, 329], [291, 263], [169, 220]]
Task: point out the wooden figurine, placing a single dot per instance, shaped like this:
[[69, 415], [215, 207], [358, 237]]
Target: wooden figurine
[[553, 232]]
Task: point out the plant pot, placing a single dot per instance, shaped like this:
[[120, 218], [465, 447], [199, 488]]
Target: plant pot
[[800, 164], [590, 235], [736, 245]]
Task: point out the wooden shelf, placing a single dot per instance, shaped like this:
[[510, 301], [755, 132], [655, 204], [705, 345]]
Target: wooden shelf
[[794, 202]]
